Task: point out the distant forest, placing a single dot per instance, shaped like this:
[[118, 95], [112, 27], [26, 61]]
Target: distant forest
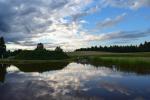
[[122, 49]]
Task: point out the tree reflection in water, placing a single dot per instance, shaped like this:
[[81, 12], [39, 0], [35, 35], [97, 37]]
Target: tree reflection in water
[[2, 72], [73, 81]]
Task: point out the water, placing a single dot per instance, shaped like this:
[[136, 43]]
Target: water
[[73, 81]]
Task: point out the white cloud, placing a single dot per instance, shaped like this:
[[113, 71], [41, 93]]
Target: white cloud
[[32, 21], [27, 22], [74, 77], [109, 22], [132, 4], [140, 3], [73, 40]]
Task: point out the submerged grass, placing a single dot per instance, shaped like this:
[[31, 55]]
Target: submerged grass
[[123, 61], [107, 54], [138, 65], [109, 58]]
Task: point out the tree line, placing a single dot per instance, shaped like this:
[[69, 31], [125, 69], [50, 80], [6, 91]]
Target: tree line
[[145, 47], [39, 53]]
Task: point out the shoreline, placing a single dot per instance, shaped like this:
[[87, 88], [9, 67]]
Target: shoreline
[[7, 61]]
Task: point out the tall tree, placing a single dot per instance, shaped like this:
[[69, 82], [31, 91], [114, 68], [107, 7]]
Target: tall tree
[[2, 47], [58, 49]]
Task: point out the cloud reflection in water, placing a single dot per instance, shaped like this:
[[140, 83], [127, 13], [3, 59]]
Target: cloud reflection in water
[[72, 82]]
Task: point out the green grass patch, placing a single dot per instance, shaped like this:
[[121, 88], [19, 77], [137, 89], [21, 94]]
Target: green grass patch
[[123, 61], [107, 54], [7, 61]]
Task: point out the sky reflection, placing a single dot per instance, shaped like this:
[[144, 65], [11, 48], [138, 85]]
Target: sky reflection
[[75, 81]]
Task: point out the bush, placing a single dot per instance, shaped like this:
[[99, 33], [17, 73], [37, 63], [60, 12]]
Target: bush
[[41, 55]]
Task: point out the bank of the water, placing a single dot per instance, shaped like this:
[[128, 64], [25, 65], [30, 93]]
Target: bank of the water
[[6, 61], [106, 58], [122, 61], [107, 54], [109, 58]]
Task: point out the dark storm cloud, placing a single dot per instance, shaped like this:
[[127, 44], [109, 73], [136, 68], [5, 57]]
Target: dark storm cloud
[[19, 18], [4, 27], [6, 14]]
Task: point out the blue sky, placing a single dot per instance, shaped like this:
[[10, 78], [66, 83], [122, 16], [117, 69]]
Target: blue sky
[[73, 24], [135, 20]]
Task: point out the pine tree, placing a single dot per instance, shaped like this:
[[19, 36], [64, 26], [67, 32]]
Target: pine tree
[[2, 47]]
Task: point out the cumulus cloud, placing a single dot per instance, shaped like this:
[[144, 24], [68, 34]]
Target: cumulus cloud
[[26, 19], [24, 23], [35, 16], [72, 41]]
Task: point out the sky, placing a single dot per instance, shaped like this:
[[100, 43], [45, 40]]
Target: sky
[[72, 24]]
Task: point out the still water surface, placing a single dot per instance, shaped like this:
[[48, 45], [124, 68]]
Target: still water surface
[[73, 81]]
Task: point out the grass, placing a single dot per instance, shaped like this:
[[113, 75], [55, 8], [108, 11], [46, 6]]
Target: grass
[[7, 61], [138, 59], [108, 58], [107, 54], [125, 61], [138, 65], [128, 62]]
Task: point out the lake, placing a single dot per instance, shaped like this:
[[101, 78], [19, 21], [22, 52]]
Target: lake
[[74, 81]]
